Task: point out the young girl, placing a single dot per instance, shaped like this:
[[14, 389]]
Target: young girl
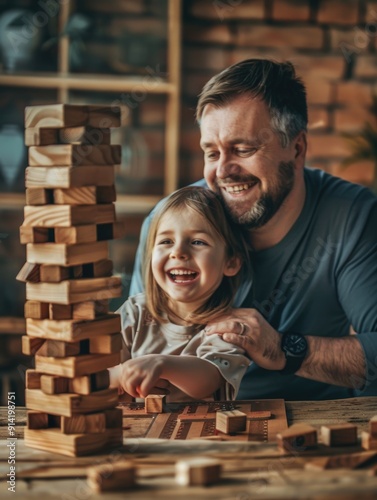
[[193, 256]]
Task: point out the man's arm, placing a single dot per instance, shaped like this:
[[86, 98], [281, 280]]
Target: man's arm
[[337, 361]]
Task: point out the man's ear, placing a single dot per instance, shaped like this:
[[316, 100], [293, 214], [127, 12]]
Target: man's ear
[[232, 266], [300, 147]]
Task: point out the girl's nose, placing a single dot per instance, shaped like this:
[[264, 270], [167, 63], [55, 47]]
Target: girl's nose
[[178, 252]]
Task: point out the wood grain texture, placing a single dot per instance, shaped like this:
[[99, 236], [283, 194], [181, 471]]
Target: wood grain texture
[[61, 254], [83, 135], [41, 136], [67, 177], [68, 215], [55, 115], [74, 155]]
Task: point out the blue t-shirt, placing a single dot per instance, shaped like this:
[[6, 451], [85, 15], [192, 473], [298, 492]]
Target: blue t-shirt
[[320, 279]]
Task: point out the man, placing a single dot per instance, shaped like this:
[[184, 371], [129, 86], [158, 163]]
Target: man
[[313, 261]]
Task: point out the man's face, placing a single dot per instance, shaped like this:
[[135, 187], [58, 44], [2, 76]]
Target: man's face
[[244, 160]]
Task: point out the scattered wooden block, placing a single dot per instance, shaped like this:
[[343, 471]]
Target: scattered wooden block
[[344, 461], [36, 420], [75, 366], [339, 434], [67, 405], [35, 310], [67, 177], [73, 330], [373, 426], [73, 445], [112, 476], [29, 272], [61, 254], [197, 471], [72, 291], [230, 422], [154, 403], [297, 437], [368, 442]]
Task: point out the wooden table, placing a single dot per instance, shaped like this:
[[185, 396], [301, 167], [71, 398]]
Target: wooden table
[[251, 470]]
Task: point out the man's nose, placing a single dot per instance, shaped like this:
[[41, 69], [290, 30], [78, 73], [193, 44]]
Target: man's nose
[[226, 166]]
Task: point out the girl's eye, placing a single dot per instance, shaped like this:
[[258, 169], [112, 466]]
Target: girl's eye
[[164, 242], [199, 242]]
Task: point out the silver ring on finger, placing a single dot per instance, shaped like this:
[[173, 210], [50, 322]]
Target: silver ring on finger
[[243, 328]]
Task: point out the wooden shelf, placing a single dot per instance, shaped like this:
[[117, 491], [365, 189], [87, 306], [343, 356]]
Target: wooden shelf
[[94, 82]]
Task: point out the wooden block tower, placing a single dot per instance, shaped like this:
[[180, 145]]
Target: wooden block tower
[[69, 218]]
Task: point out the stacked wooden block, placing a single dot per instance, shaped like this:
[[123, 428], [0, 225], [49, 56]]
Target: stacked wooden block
[[69, 218]]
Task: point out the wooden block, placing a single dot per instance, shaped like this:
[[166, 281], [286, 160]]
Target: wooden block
[[29, 272], [231, 421], [32, 379], [68, 215], [39, 196], [31, 345], [62, 254], [74, 154], [259, 415], [85, 195], [55, 116], [75, 366], [73, 425], [83, 135], [90, 309], [373, 426], [73, 330], [78, 234], [58, 349], [60, 311], [54, 273], [368, 442], [339, 434], [69, 177], [67, 405], [30, 234], [51, 384], [344, 461], [95, 422], [154, 403], [112, 231], [105, 194], [104, 116], [72, 291], [105, 344], [36, 420], [35, 310], [114, 418], [111, 477], [87, 384], [297, 437], [198, 471], [73, 445], [98, 269], [41, 136]]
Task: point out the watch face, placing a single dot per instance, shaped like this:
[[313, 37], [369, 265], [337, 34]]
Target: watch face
[[295, 344]]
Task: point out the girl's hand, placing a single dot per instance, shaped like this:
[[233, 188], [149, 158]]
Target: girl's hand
[[142, 376]]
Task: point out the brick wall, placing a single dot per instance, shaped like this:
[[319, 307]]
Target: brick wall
[[332, 43]]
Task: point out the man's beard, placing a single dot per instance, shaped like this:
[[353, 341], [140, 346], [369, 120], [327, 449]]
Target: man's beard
[[269, 203]]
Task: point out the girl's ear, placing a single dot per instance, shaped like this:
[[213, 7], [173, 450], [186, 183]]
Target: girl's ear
[[232, 266]]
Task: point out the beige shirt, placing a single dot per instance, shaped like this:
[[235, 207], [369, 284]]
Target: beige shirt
[[143, 335]]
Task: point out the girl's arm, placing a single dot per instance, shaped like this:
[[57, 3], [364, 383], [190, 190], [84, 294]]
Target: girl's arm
[[196, 377]]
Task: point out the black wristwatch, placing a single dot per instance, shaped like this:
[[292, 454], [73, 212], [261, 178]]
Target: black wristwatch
[[295, 348]]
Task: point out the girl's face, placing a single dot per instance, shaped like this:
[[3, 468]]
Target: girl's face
[[189, 260]]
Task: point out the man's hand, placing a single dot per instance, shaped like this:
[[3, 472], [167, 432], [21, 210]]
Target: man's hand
[[142, 376], [248, 329]]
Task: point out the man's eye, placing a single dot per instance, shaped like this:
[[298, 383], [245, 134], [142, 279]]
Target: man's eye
[[211, 155], [245, 152]]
